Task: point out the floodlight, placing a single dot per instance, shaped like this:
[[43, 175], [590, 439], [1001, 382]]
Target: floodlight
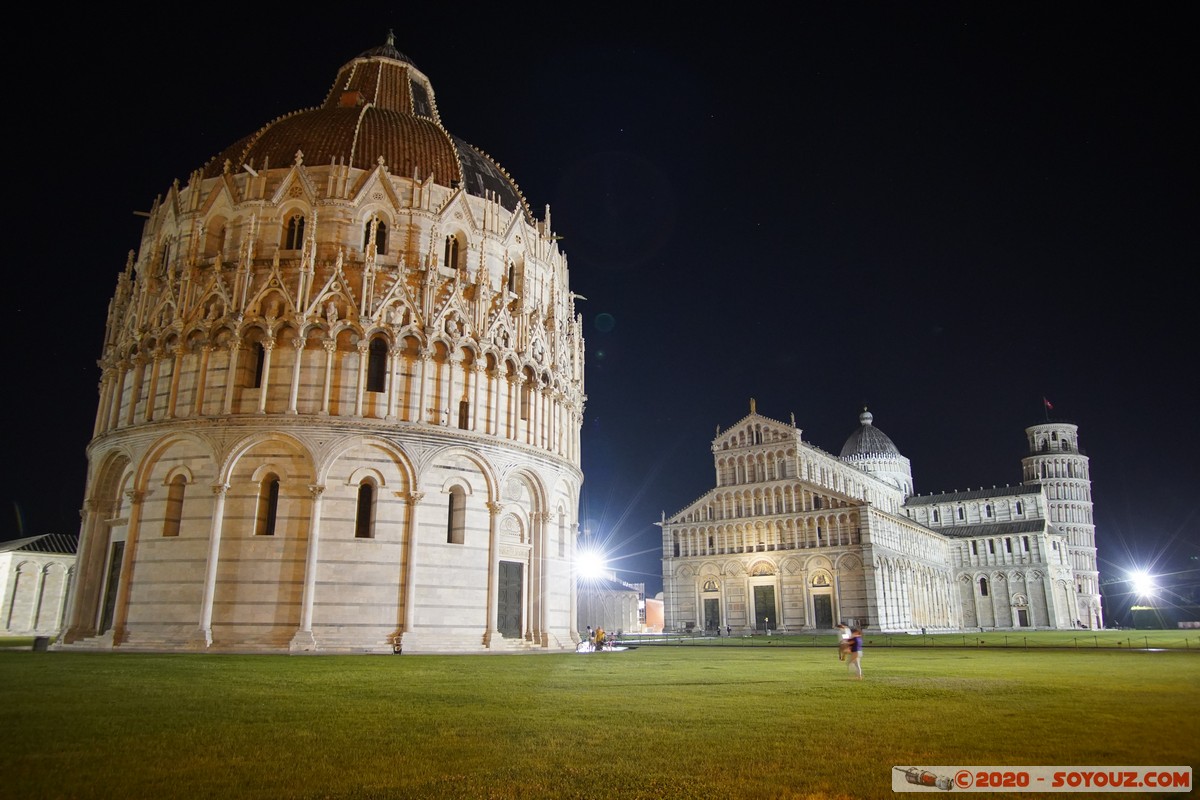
[[1142, 583]]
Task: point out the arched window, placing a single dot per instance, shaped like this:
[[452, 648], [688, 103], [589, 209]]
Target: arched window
[[259, 354], [364, 516], [961, 514], [525, 400], [936, 516], [1020, 508], [377, 365], [174, 511], [983, 587], [450, 256], [293, 238], [512, 277], [164, 257], [456, 516], [987, 510], [215, 239], [268, 505], [380, 235], [464, 414]]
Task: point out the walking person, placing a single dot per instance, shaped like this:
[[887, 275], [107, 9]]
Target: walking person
[[844, 643], [854, 660]]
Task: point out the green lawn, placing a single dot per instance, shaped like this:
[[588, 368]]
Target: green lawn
[[649, 722]]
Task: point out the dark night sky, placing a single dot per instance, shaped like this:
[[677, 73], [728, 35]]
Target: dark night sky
[[943, 211]]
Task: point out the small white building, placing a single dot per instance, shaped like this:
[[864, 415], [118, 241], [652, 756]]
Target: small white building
[[35, 576], [615, 606]]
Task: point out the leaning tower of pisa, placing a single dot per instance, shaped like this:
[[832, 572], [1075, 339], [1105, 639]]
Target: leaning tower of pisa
[[340, 399], [1056, 462]]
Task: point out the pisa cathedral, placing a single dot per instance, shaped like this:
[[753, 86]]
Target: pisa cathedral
[[794, 538], [340, 401]]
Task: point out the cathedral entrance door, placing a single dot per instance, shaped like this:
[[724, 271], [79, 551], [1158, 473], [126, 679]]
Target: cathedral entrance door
[[508, 600], [1023, 617], [764, 608], [822, 611], [712, 613], [110, 589]]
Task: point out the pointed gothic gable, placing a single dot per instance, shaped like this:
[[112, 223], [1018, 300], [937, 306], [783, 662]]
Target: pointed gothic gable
[[336, 290], [272, 297], [453, 318], [501, 330], [296, 184], [457, 208], [225, 194], [215, 300], [374, 186], [754, 429]]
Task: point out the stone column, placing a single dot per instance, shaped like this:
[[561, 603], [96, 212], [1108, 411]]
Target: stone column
[[118, 391], [173, 396], [304, 640], [573, 540], [202, 638], [393, 378], [120, 612], [330, 346], [235, 348], [135, 388], [201, 380], [478, 376], [360, 387], [82, 600], [450, 403], [264, 386], [152, 393], [505, 420], [422, 376], [491, 632], [297, 368], [106, 385], [410, 578]]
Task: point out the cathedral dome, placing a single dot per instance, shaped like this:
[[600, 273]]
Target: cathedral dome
[[380, 109], [868, 440]]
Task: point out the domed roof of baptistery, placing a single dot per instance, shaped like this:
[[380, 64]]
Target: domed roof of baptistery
[[868, 440], [381, 108]]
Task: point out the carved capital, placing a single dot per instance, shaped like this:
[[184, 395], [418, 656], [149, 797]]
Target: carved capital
[[315, 489], [494, 507], [220, 489]]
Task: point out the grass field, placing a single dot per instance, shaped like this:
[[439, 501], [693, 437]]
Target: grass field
[[648, 722]]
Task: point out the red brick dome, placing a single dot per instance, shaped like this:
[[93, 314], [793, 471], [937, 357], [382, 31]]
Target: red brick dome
[[379, 107]]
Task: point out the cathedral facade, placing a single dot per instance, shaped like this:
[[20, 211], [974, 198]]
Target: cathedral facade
[[793, 538], [341, 399]]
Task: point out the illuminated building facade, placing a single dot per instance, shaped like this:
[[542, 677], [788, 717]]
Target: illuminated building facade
[[795, 538], [341, 399]]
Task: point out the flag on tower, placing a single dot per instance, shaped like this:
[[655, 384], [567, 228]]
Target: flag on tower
[[1048, 404]]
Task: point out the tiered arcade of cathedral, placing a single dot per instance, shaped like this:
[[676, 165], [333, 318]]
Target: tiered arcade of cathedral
[[795, 538], [341, 398]]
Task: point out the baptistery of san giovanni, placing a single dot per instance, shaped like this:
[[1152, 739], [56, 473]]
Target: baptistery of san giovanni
[[340, 399]]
